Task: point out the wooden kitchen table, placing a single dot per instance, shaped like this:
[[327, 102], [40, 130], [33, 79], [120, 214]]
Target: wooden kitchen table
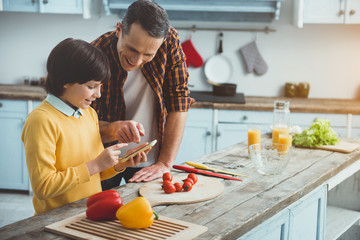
[[240, 208]]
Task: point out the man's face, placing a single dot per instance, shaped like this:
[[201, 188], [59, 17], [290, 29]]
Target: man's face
[[136, 48]]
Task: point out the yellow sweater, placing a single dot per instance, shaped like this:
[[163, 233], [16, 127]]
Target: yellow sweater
[[57, 148]]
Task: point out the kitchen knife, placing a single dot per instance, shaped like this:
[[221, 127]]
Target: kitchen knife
[[202, 166], [194, 170]]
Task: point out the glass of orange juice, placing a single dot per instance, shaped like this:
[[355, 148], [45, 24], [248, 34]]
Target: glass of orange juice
[[285, 138], [254, 135], [277, 131]]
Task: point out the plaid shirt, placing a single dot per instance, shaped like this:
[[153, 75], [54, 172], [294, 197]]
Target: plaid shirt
[[166, 73]]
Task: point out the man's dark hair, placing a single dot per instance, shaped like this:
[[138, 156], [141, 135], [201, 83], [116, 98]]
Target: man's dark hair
[[75, 61], [149, 15]]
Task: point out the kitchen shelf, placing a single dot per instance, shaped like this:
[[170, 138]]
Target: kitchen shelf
[[338, 221]]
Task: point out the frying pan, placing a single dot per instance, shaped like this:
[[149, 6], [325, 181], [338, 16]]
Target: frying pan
[[218, 70]]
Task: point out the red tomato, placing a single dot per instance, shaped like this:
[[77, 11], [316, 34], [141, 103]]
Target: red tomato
[[167, 176], [169, 188], [193, 176], [166, 181], [189, 180], [187, 186], [178, 187]]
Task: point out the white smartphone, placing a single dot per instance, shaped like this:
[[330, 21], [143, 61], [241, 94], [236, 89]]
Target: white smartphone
[[146, 147]]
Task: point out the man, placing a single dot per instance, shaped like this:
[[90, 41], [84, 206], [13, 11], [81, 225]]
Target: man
[[148, 94]]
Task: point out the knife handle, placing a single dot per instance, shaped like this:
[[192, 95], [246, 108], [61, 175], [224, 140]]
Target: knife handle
[[187, 169], [197, 165]]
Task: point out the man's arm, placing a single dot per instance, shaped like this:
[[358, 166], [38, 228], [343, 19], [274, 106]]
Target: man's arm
[[174, 129]]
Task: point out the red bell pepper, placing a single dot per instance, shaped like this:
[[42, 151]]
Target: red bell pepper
[[103, 205]]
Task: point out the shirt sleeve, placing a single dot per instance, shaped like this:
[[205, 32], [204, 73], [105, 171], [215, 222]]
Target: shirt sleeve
[[176, 91]]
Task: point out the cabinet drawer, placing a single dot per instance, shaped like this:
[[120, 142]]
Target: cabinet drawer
[[306, 119], [200, 115], [13, 106], [234, 116]]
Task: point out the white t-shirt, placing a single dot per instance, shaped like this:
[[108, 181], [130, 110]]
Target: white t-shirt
[[140, 107]]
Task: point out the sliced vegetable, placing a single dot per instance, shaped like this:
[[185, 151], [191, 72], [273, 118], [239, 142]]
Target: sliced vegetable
[[103, 205], [319, 133], [136, 214]]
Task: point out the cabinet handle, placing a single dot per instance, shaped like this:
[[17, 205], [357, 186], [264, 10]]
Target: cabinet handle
[[33, 1], [341, 12], [1, 104], [352, 12], [208, 133], [218, 134], [45, 1], [244, 118]]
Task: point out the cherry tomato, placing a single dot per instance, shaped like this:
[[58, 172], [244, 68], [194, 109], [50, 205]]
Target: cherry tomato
[[178, 187], [166, 181], [167, 176], [187, 186], [169, 188], [193, 176], [189, 180]]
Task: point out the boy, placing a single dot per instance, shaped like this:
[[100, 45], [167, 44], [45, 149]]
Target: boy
[[65, 156]]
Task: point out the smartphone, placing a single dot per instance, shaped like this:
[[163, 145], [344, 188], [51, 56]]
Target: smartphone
[[146, 147]]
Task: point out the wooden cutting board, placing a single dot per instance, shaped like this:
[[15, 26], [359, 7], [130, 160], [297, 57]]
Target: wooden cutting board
[[206, 188], [80, 227], [343, 146]]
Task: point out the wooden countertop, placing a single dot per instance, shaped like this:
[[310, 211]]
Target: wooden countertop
[[241, 207], [253, 103]]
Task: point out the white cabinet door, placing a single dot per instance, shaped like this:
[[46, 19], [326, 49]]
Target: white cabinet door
[[327, 11], [44, 6], [197, 136], [61, 6], [324, 11], [307, 216], [13, 170]]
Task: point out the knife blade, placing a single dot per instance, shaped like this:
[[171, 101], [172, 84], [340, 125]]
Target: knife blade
[[202, 166], [194, 170]]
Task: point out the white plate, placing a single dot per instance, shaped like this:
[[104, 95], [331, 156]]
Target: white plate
[[218, 69]]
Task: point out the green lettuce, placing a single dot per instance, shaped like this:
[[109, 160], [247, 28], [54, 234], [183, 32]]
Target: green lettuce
[[318, 134]]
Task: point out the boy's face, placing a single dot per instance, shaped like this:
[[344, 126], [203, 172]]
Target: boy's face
[[136, 48], [81, 95]]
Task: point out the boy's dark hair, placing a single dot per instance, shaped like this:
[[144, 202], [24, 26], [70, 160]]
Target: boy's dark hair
[[149, 15], [75, 61]]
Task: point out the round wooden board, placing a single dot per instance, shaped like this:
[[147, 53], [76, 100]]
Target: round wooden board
[[206, 188]]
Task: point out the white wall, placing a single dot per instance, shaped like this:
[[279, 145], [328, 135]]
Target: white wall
[[326, 56]]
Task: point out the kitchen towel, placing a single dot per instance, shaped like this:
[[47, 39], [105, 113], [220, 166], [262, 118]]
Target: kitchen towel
[[192, 56], [253, 60]]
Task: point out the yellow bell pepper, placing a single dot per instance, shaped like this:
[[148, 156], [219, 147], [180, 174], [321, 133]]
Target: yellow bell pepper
[[136, 214]]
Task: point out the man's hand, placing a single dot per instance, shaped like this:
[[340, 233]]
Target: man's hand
[[150, 173], [123, 131]]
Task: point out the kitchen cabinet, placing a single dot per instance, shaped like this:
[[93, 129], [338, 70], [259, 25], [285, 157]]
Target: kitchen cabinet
[[13, 169], [44, 6], [197, 138], [327, 12], [305, 219]]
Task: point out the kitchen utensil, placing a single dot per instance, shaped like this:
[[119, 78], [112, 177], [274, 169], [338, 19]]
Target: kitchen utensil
[[194, 170], [343, 147], [206, 188], [218, 70], [202, 166], [224, 89], [80, 227], [270, 158]]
